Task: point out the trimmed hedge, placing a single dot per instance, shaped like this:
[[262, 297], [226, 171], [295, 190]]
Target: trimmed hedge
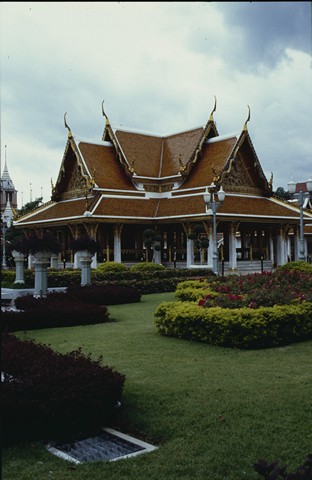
[[147, 267], [46, 395], [102, 294], [298, 265], [192, 290], [157, 281], [244, 328], [53, 311]]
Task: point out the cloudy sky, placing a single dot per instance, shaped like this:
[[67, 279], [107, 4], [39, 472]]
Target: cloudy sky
[[157, 66]]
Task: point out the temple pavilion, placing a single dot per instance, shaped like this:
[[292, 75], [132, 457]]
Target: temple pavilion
[[131, 182]]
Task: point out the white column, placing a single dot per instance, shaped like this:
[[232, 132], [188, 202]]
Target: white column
[[31, 260], [156, 254], [189, 252], [232, 247], [117, 244], [77, 260], [94, 263], [210, 249], [273, 260], [54, 262], [281, 247]]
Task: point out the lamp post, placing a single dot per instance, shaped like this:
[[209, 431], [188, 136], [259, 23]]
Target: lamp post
[[214, 191], [4, 225], [302, 196]]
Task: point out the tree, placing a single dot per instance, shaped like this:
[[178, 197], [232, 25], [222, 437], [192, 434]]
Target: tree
[[283, 194]]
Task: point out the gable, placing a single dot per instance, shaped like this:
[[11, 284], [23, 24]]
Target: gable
[[243, 172], [73, 178]]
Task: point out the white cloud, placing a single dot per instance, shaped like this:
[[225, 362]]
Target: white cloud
[[157, 65]]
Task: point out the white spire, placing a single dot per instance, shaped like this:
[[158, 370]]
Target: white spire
[[8, 213], [6, 182]]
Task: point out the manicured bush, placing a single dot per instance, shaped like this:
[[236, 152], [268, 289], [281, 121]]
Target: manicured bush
[[147, 267], [298, 265], [53, 311], [46, 395], [242, 327], [112, 267], [103, 294], [192, 290]]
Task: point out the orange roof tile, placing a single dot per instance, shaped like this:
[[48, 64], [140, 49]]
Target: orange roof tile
[[214, 155], [156, 156], [109, 172]]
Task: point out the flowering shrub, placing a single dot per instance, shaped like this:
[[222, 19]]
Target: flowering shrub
[[261, 290]]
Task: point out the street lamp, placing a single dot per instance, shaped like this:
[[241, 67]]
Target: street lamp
[[213, 191], [4, 224], [302, 196]]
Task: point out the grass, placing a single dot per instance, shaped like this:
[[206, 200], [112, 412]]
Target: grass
[[212, 411]]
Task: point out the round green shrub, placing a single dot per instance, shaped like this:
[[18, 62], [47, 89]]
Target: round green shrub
[[147, 267], [298, 265], [112, 267]]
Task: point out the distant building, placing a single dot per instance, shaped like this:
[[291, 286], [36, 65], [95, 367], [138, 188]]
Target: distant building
[[8, 196]]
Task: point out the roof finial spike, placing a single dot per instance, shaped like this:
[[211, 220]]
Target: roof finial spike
[[248, 118], [104, 114], [66, 126], [213, 110]]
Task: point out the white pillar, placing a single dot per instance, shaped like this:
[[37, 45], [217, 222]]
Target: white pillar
[[94, 263], [31, 260], [189, 252], [19, 266], [210, 249], [232, 247], [272, 258], [77, 259], [281, 247], [54, 262], [156, 254], [117, 244]]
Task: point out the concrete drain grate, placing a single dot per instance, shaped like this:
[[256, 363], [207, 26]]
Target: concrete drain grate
[[108, 446]]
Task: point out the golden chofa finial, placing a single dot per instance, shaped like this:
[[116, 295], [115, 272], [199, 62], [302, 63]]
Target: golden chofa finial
[[131, 167], [215, 176], [182, 166], [248, 118], [104, 114], [213, 110], [66, 126]]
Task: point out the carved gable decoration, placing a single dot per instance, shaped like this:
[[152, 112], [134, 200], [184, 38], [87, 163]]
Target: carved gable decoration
[[72, 180], [238, 179]]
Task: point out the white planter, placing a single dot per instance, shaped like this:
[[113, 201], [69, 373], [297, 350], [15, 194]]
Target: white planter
[[19, 266], [85, 258], [42, 262]]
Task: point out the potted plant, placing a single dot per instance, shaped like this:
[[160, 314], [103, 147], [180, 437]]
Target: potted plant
[[84, 244], [84, 247]]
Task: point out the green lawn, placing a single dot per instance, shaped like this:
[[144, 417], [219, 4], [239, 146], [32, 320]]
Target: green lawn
[[212, 411]]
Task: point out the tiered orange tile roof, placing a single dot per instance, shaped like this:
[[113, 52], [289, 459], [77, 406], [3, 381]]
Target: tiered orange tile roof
[[119, 170]]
